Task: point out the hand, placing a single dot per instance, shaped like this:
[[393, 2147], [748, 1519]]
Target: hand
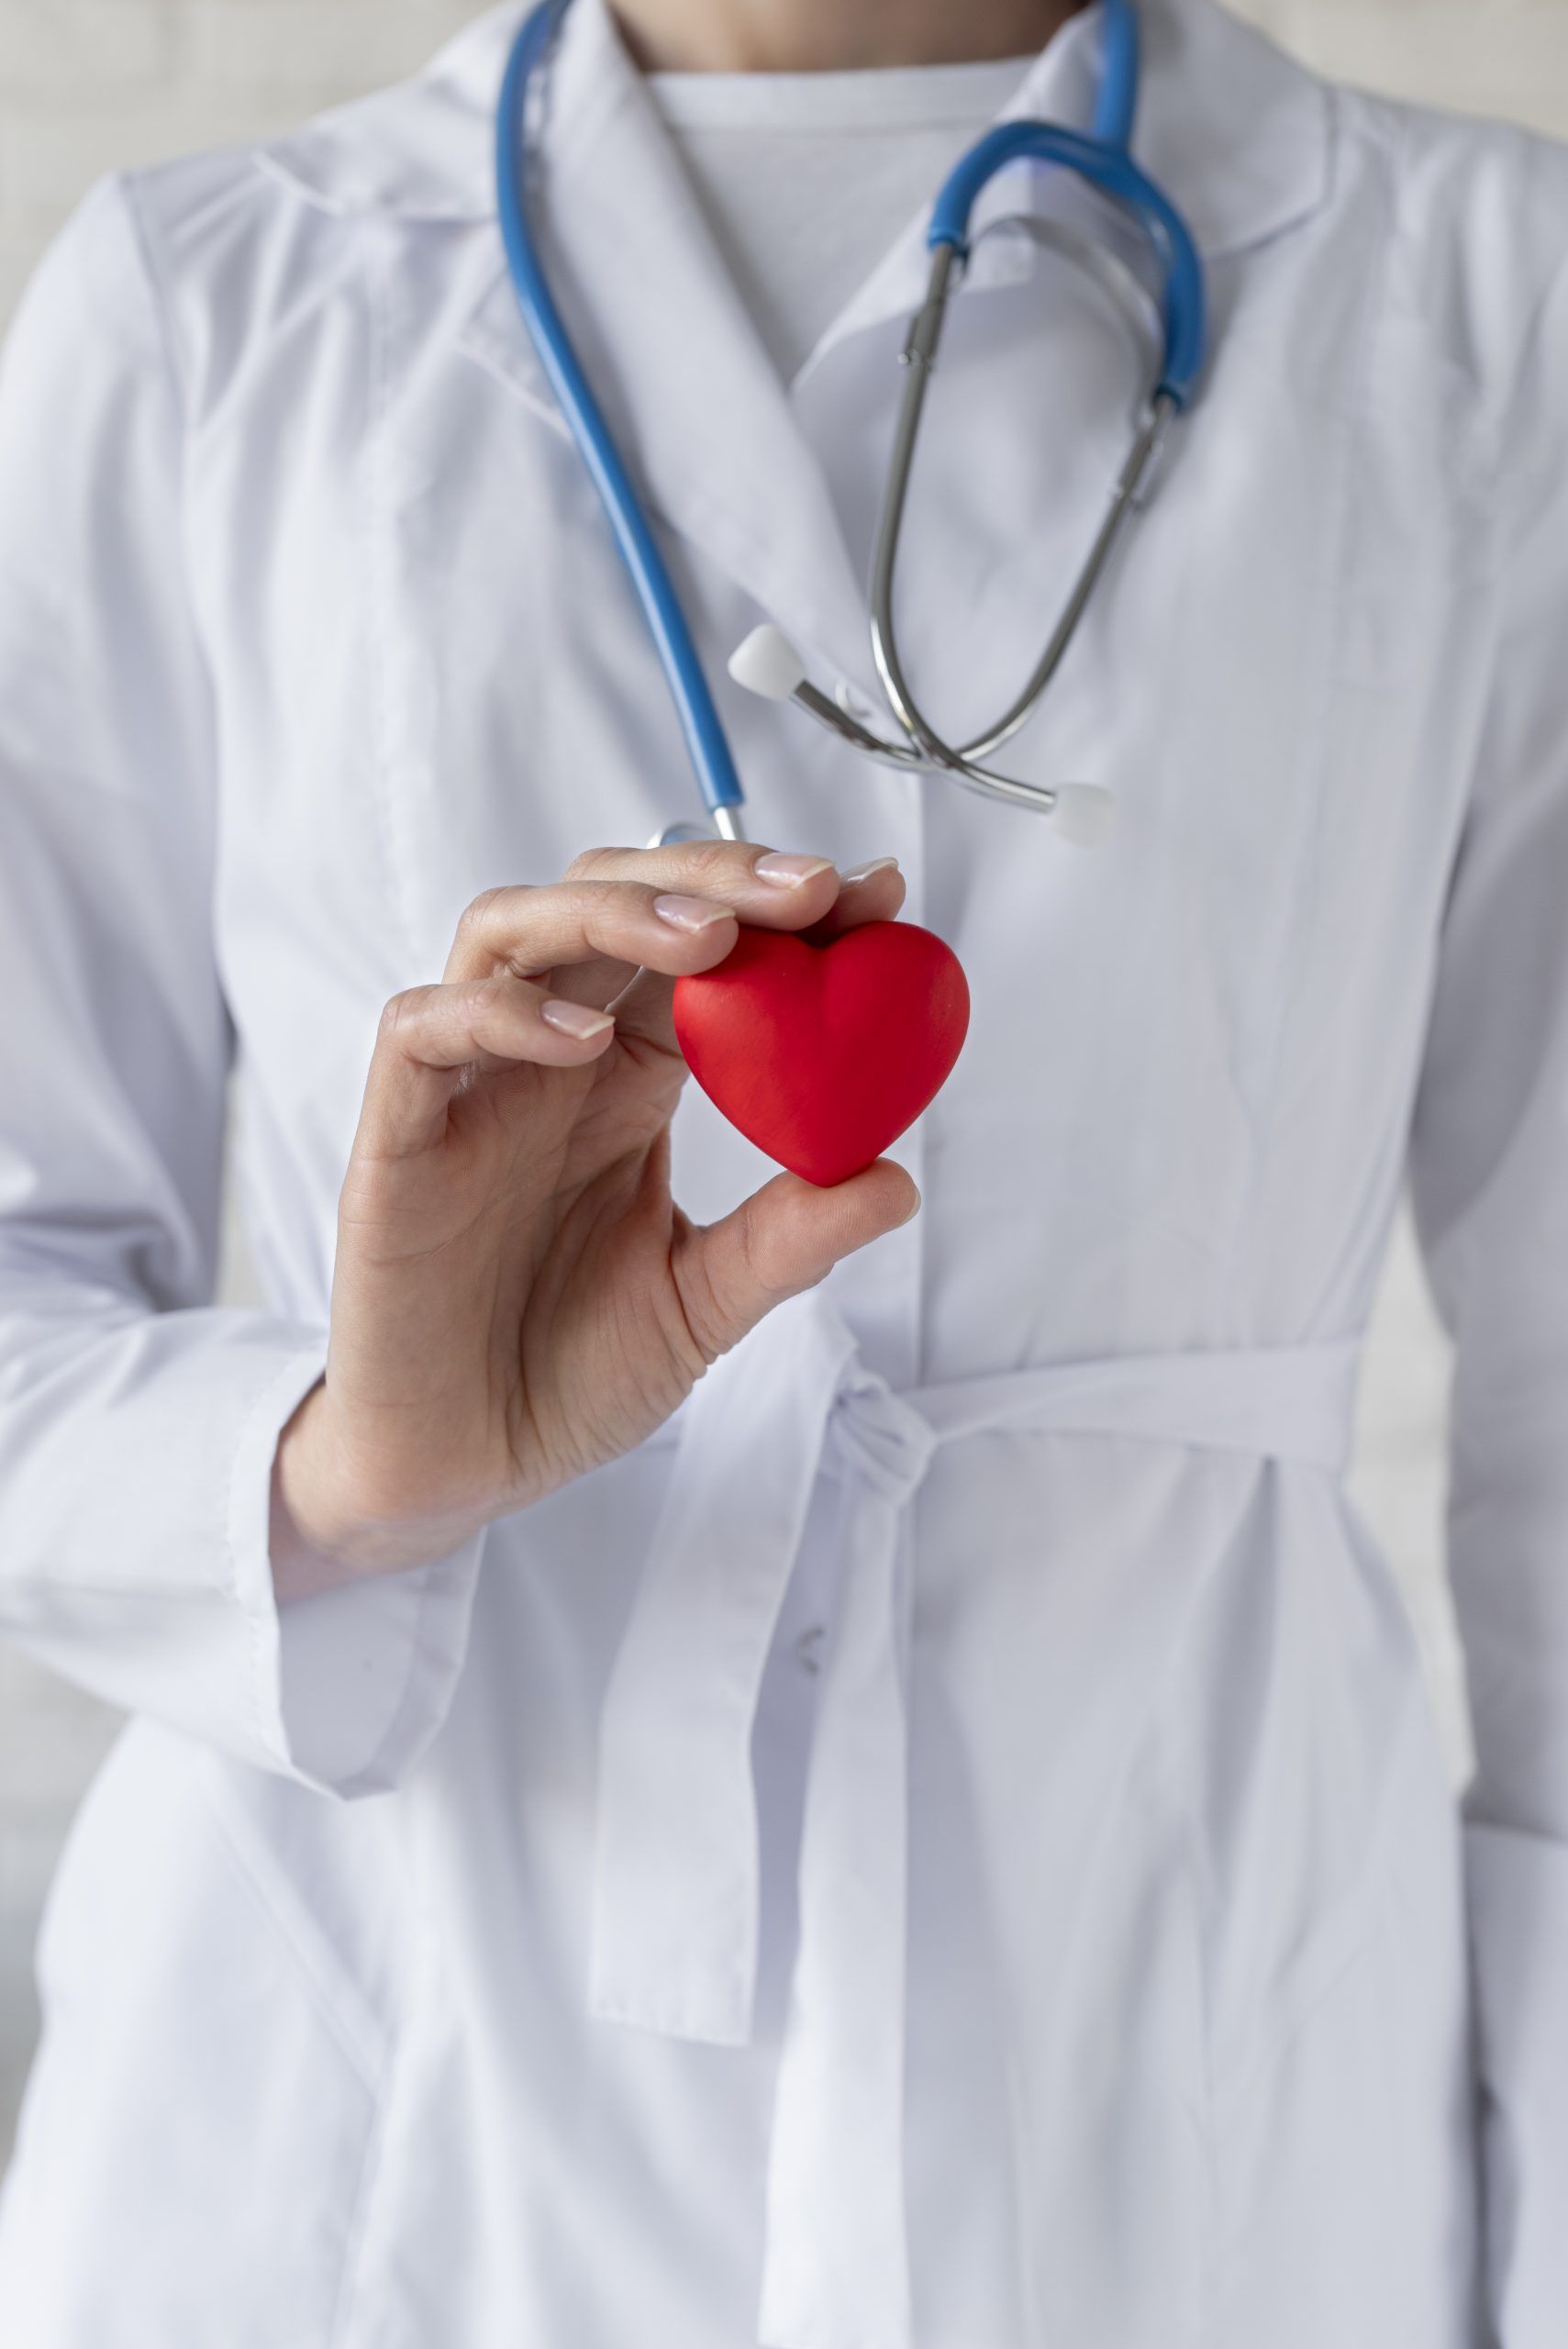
[[517, 1296]]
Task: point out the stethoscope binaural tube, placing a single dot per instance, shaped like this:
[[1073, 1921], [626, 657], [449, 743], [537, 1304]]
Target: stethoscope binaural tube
[[1109, 168]]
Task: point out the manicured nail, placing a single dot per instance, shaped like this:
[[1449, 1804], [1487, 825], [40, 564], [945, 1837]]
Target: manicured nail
[[789, 872], [864, 871], [692, 913], [575, 1019]]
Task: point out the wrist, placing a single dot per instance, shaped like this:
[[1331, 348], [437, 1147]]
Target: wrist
[[327, 1531]]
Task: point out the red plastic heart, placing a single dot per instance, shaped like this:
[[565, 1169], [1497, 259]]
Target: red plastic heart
[[822, 1056]]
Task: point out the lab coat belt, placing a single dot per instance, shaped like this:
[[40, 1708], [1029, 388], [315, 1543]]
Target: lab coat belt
[[676, 1879]]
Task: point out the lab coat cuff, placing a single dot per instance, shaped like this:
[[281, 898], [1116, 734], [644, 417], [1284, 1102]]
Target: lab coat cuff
[[1518, 1887], [350, 1686]]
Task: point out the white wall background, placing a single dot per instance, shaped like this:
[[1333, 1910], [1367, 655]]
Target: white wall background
[[89, 85]]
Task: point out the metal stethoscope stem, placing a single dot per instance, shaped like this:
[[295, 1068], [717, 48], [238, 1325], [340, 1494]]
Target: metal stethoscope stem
[[920, 358], [768, 664]]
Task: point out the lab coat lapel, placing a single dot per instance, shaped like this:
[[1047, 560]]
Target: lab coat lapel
[[723, 452], [1237, 133], [701, 415]]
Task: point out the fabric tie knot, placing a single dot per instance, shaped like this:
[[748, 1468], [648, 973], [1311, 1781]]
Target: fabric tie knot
[[875, 1434]]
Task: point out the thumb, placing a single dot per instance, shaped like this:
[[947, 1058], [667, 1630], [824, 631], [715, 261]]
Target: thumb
[[784, 1238]]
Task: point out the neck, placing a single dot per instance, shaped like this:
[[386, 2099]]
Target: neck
[[826, 36]]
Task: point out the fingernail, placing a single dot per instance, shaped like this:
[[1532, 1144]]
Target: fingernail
[[789, 872], [912, 1214], [692, 913], [575, 1019], [864, 871]]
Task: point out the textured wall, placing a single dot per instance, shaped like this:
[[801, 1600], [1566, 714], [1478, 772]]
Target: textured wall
[[88, 85]]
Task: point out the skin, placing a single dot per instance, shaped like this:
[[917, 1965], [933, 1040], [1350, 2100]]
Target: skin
[[517, 1296], [819, 36]]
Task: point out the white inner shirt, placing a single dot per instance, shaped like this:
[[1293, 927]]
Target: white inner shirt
[[807, 179]]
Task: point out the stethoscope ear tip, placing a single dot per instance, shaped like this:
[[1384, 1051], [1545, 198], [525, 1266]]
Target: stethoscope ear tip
[[1083, 813], [766, 662]]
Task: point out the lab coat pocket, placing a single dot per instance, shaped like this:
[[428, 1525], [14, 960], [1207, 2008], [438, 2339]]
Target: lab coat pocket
[[1345, 2159], [1336, 1997], [189, 2167]]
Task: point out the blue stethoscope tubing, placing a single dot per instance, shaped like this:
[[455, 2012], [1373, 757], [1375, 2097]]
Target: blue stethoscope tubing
[[706, 742], [1101, 156]]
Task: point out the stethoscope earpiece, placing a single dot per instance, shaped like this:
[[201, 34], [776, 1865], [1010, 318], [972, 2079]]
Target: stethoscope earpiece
[[1084, 813], [766, 664]]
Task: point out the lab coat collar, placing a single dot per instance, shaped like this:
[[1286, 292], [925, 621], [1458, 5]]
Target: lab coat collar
[[688, 388], [692, 398], [1235, 130]]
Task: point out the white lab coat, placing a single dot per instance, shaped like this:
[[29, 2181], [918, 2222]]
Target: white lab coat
[[944, 1847]]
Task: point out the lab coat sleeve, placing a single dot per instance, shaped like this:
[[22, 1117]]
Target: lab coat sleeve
[[137, 1423], [1489, 1178]]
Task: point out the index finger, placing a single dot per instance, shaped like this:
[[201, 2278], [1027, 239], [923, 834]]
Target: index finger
[[769, 889]]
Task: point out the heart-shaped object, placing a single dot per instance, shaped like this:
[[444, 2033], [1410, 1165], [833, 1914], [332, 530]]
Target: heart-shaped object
[[822, 1056]]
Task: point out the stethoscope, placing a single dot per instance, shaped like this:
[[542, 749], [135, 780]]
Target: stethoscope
[[1169, 332]]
